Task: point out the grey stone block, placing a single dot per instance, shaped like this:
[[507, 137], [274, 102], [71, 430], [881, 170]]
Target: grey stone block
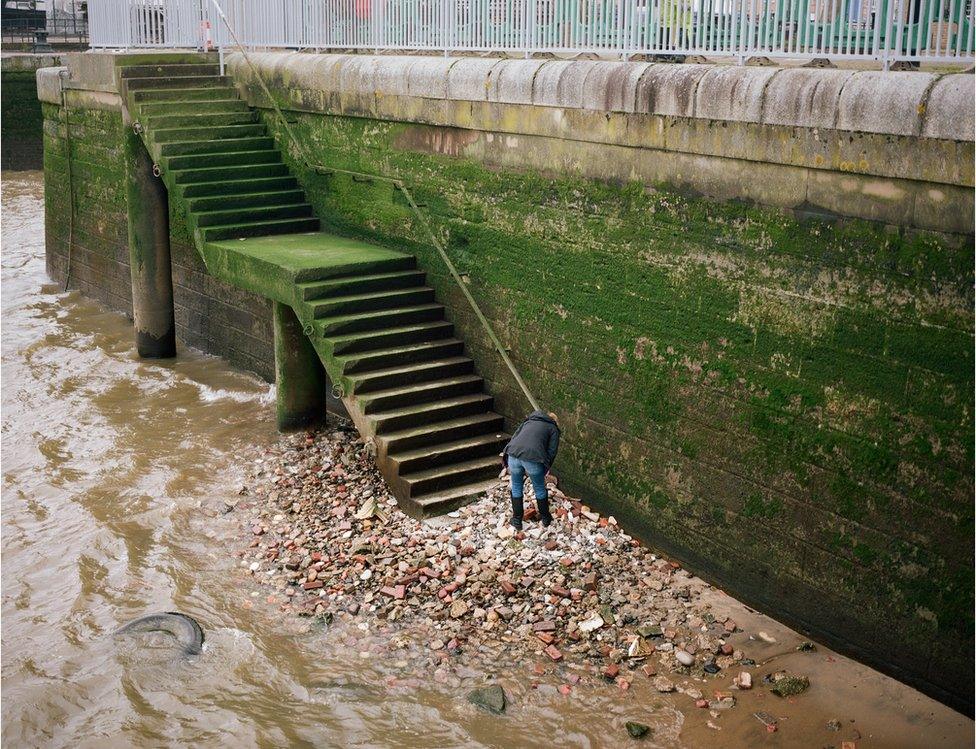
[[877, 102], [390, 75], [807, 97], [669, 89], [468, 78], [949, 110], [427, 77], [733, 93], [612, 86], [511, 81]]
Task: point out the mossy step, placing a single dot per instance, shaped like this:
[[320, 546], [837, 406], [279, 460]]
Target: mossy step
[[361, 284], [362, 321], [230, 158], [262, 213], [381, 402], [374, 300], [237, 187], [152, 95], [445, 453], [487, 423], [199, 119], [431, 412], [439, 503], [409, 374], [149, 110], [452, 475], [225, 173], [260, 228], [188, 134], [171, 82], [224, 145], [246, 200], [166, 69], [388, 357], [356, 343]]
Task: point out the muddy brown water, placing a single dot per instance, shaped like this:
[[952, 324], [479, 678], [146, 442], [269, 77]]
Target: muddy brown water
[[110, 469]]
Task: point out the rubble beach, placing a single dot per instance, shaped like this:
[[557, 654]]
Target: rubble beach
[[459, 598]]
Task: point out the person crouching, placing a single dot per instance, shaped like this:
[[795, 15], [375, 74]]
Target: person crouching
[[532, 451]]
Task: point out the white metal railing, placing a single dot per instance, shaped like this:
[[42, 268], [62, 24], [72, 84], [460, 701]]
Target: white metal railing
[[884, 31]]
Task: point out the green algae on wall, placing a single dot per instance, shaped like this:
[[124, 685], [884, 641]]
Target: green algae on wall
[[20, 121], [210, 315], [786, 404]]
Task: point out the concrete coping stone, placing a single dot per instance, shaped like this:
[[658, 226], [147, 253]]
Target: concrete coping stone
[[804, 97], [893, 103], [949, 112], [49, 85], [877, 102], [27, 62]]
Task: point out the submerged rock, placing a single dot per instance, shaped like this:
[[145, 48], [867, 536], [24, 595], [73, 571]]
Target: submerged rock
[[637, 730], [491, 698], [788, 685]]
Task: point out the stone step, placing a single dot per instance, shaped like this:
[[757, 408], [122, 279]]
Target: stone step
[[375, 320], [405, 440], [442, 502], [241, 215], [151, 110], [410, 374], [238, 187], [170, 69], [224, 145], [183, 94], [200, 119], [384, 358], [213, 134], [246, 200], [174, 82], [376, 300], [449, 476], [405, 376], [445, 453], [230, 158], [381, 402], [363, 342], [360, 284], [260, 229], [225, 173], [430, 412]]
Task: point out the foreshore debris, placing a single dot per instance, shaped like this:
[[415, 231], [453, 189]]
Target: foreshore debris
[[329, 540]]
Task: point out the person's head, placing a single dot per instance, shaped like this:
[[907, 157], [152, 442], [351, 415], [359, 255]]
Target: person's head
[[553, 417]]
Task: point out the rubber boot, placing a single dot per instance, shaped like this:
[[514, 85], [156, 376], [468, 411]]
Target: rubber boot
[[517, 510]]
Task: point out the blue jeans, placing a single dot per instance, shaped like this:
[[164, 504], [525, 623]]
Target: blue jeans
[[537, 473]]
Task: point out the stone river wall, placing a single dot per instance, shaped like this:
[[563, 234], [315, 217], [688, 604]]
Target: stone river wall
[[747, 293], [21, 144]]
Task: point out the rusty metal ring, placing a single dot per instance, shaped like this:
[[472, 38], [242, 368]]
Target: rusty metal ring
[[156, 170]]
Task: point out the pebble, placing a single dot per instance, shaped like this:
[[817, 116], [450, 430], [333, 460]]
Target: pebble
[[583, 591], [684, 658]]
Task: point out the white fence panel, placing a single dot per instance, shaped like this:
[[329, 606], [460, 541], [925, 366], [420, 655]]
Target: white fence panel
[[887, 31]]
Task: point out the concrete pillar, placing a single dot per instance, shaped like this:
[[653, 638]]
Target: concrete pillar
[[149, 259], [300, 378]]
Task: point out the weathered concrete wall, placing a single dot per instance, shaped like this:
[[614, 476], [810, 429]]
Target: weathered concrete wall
[[21, 122], [748, 294]]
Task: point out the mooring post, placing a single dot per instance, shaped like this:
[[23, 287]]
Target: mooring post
[[300, 379], [149, 258]]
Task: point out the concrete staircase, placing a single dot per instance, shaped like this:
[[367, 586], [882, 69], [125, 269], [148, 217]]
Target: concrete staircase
[[376, 326]]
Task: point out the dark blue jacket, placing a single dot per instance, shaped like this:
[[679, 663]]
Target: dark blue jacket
[[536, 439]]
